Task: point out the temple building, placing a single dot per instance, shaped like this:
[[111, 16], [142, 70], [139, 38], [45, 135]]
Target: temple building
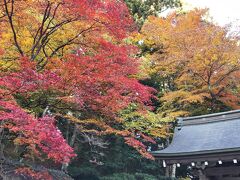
[[209, 144]]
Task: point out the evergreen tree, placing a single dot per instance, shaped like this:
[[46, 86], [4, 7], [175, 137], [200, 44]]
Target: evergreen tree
[[141, 9]]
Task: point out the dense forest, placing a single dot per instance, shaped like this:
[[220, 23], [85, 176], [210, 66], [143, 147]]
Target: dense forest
[[89, 88]]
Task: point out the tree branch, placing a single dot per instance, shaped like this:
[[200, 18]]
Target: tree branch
[[10, 20]]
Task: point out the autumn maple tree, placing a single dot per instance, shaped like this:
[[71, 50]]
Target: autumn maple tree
[[194, 62], [67, 60]]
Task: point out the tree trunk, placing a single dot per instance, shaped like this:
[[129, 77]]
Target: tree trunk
[[73, 138], [71, 143]]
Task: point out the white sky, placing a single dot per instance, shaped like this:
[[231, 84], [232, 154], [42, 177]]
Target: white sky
[[222, 11]]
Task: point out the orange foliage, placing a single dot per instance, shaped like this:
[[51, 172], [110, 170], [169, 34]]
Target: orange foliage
[[74, 49], [198, 60], [27, 172]]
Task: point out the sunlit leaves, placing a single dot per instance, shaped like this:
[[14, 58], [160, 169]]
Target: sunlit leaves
[[196, 61], [67, 56], [38, 133]]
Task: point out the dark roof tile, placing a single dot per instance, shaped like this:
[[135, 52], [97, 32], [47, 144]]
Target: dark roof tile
[[204, 134]]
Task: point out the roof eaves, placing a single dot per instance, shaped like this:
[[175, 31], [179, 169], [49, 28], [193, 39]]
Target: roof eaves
[[207, 152], [209, 115], [210, 118]]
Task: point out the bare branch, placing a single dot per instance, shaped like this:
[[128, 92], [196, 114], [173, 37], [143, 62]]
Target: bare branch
[[10, 20]]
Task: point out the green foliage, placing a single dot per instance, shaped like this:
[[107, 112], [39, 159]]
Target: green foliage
[[136, 176], [142, 176], [84, 173], [119, 176], [148, 123], [117, 158], [141, 9]]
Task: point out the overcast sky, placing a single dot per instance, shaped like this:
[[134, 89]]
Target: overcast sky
[[222, 11]]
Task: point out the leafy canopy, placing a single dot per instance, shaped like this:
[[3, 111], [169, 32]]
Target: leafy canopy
[[194, 62], [141, 9], [67, 60]]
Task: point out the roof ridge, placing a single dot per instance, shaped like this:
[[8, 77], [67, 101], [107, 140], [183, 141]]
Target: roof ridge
[[209, 118]]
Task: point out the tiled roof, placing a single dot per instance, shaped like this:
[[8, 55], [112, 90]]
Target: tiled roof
[[205, 134]]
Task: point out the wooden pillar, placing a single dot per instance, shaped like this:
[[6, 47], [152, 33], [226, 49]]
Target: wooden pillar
[[202, 175], [167, 171], [174, 168], [170, 171]]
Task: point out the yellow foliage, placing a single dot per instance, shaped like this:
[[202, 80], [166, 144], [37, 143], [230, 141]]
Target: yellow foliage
[[150, 123], [40, 35], [198, 57]]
